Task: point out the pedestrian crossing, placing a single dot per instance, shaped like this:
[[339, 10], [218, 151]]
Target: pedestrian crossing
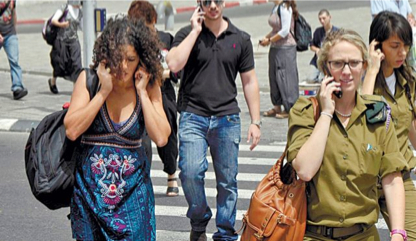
[[171, 220]]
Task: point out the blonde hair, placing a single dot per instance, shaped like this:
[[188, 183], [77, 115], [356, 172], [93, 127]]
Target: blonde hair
[[337, 36]]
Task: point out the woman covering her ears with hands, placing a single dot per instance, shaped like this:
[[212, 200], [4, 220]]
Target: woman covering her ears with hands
[[390, 76], [113, 195], [346, 150]]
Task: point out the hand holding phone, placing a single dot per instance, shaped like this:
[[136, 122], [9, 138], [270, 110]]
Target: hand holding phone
[[338, 93], [199, 6]]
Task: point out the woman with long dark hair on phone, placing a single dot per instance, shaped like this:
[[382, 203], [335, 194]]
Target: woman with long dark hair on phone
[[390, 76], [283, 70], [113, 195], [346, 150]]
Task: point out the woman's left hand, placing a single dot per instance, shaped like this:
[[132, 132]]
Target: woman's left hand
[[142, 78], [376, 56]]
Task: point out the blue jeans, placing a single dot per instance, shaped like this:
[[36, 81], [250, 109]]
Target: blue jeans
[[11, 47], [222, 134]]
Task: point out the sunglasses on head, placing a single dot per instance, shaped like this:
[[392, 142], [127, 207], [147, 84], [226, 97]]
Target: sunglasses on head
[[207, 3]]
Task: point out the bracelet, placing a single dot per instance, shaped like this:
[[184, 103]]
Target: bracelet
[[269, 40], [327, 114], [399, 231]]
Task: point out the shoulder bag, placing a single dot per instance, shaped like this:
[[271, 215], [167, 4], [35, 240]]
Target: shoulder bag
[[277, 210]]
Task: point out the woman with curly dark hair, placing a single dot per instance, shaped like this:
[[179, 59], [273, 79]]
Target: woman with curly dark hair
[[113, 195]]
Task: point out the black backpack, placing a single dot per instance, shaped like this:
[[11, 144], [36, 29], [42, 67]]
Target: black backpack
[[48, 156], [50, 31], [303, 32]]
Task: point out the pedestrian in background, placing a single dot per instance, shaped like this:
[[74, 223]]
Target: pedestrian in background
[[211, 51], [113, 194], [283, 70], [9, 41], [318, 37], [66, 50], [401, 7], [390, 76], [343, 154], [168, 153]]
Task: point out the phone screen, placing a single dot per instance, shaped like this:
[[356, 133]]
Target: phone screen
[[338, 94]]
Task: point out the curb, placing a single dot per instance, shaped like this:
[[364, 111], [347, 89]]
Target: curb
[[17, 125]]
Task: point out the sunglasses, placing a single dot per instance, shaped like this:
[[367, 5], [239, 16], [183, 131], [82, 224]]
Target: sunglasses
[[207, 3]]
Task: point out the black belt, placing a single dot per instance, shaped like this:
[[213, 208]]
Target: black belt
[[406, 175], [336, 233]]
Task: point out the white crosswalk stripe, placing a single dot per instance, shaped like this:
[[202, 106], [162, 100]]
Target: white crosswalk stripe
[[166, 210]]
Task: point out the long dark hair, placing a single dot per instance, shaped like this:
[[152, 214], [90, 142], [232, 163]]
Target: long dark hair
[[385, 25], [292, 4], [120, 31]]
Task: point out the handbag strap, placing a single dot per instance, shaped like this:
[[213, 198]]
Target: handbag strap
[[5, 8], [279, 163]]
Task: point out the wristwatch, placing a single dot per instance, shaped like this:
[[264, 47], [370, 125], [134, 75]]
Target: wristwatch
[[257, 123], [399, 231]]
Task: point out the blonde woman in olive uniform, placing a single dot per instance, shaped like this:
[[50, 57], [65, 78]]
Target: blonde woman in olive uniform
[[344, 152], [390, 76]]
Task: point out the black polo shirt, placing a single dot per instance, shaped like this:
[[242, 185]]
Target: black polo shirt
[[208, 85]]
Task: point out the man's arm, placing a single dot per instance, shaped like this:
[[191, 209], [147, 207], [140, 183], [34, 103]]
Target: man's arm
[[178, 56], [315, 49], [252, 96]]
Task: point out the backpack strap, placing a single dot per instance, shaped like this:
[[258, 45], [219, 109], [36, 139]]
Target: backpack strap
[[290, 28], [64, 13], [5, 8], [92, 82]]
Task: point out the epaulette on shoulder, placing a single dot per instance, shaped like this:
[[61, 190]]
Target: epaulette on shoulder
[[373, 98], [376, 108]]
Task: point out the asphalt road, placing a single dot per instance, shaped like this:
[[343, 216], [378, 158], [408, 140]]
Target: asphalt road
[[23, 218]]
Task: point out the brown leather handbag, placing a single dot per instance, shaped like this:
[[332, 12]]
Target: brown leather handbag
[[277, 210]]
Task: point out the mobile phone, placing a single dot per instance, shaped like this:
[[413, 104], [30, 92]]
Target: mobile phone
[[199, 6], [338, 94]]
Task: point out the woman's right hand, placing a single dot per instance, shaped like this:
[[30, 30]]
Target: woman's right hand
[[328, 86], [264, 42], [105, 78]]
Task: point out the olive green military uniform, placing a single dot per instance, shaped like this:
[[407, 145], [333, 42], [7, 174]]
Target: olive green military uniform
[[402, 116], [343, 193]]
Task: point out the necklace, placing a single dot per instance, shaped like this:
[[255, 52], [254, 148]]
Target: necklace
[[343, 115]]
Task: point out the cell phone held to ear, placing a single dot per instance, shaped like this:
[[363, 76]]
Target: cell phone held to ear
[[199, 6], [338, 94]]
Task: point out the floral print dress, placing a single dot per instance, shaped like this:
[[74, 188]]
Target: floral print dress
[[113, 195]]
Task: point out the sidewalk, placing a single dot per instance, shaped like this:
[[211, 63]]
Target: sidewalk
[[34, 60]]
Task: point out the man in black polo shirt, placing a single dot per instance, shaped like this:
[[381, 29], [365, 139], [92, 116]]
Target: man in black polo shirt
[[211, 51]]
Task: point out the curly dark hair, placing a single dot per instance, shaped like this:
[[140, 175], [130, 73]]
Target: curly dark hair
[[120, 31]]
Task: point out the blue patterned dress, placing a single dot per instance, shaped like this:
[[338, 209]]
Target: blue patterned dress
[[113, 196]]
